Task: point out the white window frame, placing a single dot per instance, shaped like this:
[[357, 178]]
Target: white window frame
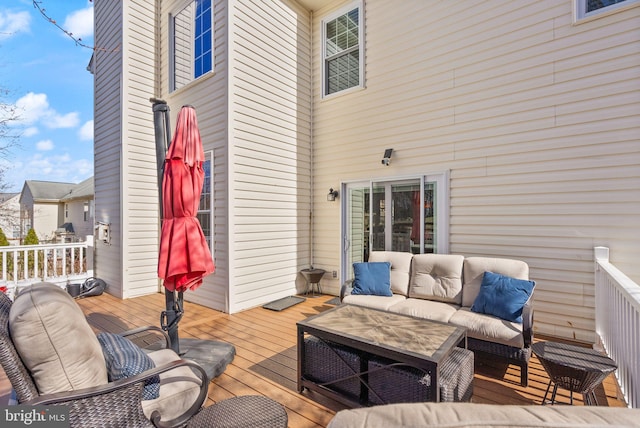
[[172, 39], [209, 157], [581, 15], [443, 198], [331, 17]]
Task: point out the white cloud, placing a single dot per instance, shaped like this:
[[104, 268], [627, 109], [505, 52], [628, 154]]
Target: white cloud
[[80, 23], [14, 23], [44, 145], [30, 131], [33, 108], [86, 131]]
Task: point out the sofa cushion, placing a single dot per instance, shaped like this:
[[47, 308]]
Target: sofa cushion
[[454, 415], [428, 309], [372, 278], [475, 267], [502, 296], [437, 277], [489, 328], [124, 358], [179, 388], [375, 302], [54, 340], [400, 268]]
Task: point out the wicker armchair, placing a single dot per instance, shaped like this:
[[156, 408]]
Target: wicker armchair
[[115, 404]]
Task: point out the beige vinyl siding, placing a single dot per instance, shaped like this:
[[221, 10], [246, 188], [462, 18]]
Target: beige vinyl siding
[[107, 140], [139, 189], [537, 120], [269, 143], [208, 95]]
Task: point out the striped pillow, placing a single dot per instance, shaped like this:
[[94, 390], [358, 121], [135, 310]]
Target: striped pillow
[[124, 358]]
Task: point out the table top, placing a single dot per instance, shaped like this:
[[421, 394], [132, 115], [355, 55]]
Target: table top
[[427, 339], [575, 357]]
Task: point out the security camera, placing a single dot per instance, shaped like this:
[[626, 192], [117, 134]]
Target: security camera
[[386, 161]]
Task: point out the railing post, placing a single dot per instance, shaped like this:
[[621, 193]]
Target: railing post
[[89, 255], [601, 254]]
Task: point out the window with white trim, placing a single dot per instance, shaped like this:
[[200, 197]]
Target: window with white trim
[[205, 208], [589, 8], [343, 50], [191, 43]]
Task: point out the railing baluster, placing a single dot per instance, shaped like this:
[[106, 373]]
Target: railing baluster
[[618, 323]]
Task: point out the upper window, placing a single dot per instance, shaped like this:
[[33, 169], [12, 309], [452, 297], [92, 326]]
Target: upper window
[[590, 8], [191, 43], [343, 50]]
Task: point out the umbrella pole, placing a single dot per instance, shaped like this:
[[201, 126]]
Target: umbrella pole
[[171, 316]]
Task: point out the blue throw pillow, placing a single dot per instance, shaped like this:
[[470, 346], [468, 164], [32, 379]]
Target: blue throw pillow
[[502, 296], [124, 358], [373, 278]]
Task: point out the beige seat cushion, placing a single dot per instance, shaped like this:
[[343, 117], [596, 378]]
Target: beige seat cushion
[[437, 277], [400, 268], [375, 302], [54, 340], [475, 267], [179, 388], [455, 415], [427, 309], [489, 328]]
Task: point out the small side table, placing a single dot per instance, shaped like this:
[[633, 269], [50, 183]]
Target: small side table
[[249, 411], [313, 276], [573, 368]]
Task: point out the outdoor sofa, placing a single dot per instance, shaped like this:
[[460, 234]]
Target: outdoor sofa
[[495, 308], [452, 415]]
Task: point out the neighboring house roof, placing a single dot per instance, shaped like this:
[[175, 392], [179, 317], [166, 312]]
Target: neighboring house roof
[[5, 197], [50, 191], [82, 190]]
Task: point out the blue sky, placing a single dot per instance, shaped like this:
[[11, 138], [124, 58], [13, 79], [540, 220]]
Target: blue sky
[[45, 74]]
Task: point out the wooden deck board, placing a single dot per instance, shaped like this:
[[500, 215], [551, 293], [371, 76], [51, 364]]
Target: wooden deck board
[[266, 358]]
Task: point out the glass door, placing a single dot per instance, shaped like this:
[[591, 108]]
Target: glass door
[[398, 215]]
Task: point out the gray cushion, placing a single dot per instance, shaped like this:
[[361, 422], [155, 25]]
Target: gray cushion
[[375, 302], [489, 328], [437, 277], [400, 268], [475, 267], [179, 388], [54, 340], [428, 309], [455, 415]]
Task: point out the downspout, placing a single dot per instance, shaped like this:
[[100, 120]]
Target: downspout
[[311, 142]]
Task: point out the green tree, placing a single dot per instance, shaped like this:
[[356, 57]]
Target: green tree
[[4, 242], [31, 239]]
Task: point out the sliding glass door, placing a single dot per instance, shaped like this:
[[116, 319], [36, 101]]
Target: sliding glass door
[[395, 215]]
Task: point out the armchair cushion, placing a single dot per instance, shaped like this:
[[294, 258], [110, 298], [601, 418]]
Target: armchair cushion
[[124, 359], [372, 279], [503, 296], [54, 340]]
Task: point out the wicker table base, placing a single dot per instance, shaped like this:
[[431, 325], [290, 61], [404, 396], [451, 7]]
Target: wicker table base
[[250, 411], [574, 368]]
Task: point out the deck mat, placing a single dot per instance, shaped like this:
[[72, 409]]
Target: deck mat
[[334, 301], [284, 303]]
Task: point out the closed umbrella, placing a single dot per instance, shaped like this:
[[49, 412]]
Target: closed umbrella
[[184, 253]]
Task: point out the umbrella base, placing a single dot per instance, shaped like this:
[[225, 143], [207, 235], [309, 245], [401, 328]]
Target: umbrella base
[[213, 356]]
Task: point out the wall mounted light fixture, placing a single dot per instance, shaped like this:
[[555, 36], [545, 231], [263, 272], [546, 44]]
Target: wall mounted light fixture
[[386, 159], [332, 195]]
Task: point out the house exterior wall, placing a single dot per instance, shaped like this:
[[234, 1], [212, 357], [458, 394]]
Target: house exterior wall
[[269, 150], [537, 120], [125, 165], [209, 96], [45, 220], [81, 227], [10, 219]]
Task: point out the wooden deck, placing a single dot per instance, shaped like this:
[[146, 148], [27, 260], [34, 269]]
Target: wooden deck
[[265, 361]]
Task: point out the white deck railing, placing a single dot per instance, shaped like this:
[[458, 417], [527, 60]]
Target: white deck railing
[[21, 265], [618, 323]]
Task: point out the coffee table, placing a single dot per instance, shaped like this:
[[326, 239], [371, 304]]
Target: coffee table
[[390, 340]]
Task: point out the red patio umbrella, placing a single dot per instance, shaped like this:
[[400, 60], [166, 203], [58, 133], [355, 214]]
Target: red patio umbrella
[[184, 253]]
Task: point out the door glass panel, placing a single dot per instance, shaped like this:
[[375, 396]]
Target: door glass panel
[[357, 239], [378, 218], [405, 216], [430, 222]]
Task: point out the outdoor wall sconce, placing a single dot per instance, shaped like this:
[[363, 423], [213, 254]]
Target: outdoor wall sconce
[[387, 157], [332, 195]]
